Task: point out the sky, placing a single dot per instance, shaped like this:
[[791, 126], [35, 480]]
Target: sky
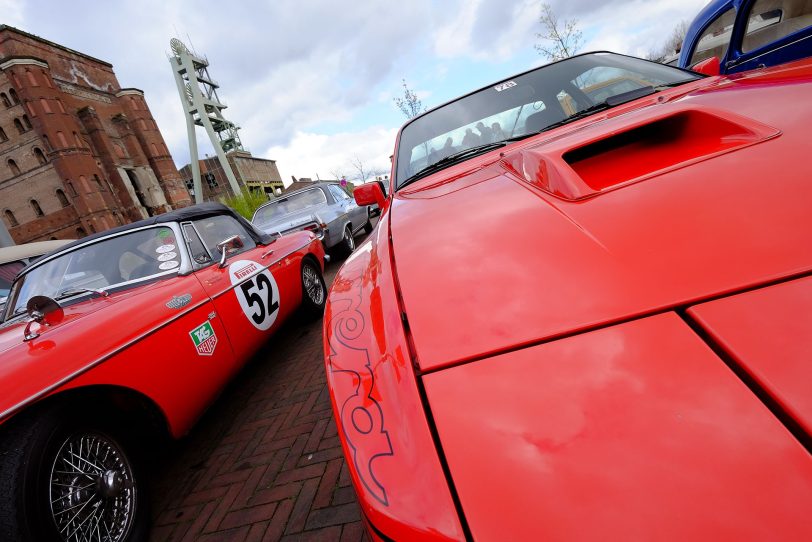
[[312, 82]]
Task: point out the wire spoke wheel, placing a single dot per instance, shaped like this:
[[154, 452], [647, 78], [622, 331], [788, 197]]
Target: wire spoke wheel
[[92, 490], [312, 285]]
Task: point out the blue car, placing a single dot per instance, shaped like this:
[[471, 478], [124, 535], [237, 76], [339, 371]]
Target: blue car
[[748, 34]]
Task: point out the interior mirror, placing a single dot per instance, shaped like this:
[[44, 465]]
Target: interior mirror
[[44, 311], [709, 66], [369, 194], [229, 244]]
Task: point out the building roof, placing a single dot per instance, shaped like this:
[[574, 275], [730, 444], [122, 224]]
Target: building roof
[[52, 44]]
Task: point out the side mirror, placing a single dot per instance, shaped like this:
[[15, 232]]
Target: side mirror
[[368, 194], [228, 244], [709, 66], [44, 311]]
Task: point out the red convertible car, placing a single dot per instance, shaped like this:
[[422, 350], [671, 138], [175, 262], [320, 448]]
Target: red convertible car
[[122, 338], [586, 326]]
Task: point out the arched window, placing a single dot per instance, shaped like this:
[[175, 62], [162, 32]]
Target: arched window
[[78, 140], [30, 108], [63, 199], [11, 219], [142, 124], [40, 156], [60, 105], [53, 238], [37, 208], [26, 122], [154, 149], [31, 79], [5, 100], [47, 79], [99, 184], [45, 106], [13, 95], [62, 141], [19, 126], [92, 228], [71, 188], [80, 232], [3, 136], [12, 165], [47, 141], [119, 150]]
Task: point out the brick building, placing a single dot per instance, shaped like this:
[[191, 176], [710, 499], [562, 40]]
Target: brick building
[[255, 173], [78, 154]]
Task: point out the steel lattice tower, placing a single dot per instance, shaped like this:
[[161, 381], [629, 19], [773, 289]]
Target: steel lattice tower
[[202, 107]]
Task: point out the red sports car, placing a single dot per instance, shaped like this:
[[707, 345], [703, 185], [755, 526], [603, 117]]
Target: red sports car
[[122, 338], [586, 320]]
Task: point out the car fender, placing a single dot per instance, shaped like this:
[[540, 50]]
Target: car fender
[[381, 421]]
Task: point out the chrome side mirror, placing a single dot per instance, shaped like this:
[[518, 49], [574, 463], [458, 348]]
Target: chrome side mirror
[[229, 244], [44, 311]]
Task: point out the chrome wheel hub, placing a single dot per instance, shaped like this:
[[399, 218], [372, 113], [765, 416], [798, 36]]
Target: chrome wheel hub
[[312, 285], [92, 494]]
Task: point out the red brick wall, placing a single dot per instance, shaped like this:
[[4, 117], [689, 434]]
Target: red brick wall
[[87, 133]]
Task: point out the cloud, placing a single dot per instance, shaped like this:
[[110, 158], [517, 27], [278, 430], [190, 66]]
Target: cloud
[[487, 30], [311, 154]]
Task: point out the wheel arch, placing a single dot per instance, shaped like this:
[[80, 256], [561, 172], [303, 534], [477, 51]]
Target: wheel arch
[[138, 413]]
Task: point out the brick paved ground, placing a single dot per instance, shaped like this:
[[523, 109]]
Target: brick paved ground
[[264, 463]]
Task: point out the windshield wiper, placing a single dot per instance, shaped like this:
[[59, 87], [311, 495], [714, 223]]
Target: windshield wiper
[[452, 159], [76, 291], [608, 103]]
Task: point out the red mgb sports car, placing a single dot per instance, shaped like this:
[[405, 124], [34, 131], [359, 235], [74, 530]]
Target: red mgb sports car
[[123, 337], [586, 312]]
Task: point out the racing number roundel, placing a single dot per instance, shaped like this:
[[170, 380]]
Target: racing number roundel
[[258, 294]]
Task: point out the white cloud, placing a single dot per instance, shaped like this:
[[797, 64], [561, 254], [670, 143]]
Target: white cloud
[[12, 11], [312, 154], [487, 29]]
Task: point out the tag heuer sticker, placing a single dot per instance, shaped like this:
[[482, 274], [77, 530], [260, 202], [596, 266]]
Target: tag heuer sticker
[[204, 338]]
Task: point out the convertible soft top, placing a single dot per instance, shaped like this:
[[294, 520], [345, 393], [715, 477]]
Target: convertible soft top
[[193, 212]]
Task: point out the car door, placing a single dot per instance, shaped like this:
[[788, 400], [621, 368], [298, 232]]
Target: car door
[[355, 214], [769, 33], [246, 290]]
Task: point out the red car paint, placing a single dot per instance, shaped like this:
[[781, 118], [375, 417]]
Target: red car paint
[[132, 340], [577, 334]]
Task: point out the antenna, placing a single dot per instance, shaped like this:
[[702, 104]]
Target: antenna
[[202, 107]]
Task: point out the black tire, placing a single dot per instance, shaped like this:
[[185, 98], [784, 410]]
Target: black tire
[[368, 225], [33, 449], [348, 241], [314, 291]]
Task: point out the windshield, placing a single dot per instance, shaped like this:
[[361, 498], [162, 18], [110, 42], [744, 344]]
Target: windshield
[[286, 205], [525, 105], [115, 262]]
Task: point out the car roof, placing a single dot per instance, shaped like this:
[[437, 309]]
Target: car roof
[[30, 250], [201, 210]]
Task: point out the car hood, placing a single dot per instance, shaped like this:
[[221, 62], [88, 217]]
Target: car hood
[[671, 200]]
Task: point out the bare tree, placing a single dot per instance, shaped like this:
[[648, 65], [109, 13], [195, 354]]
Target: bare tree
[[364, 170], [559, 39], [672, 45], [409, 104], [338, 173]]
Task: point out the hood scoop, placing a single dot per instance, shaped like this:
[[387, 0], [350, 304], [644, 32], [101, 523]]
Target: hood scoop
[[633, 152]]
